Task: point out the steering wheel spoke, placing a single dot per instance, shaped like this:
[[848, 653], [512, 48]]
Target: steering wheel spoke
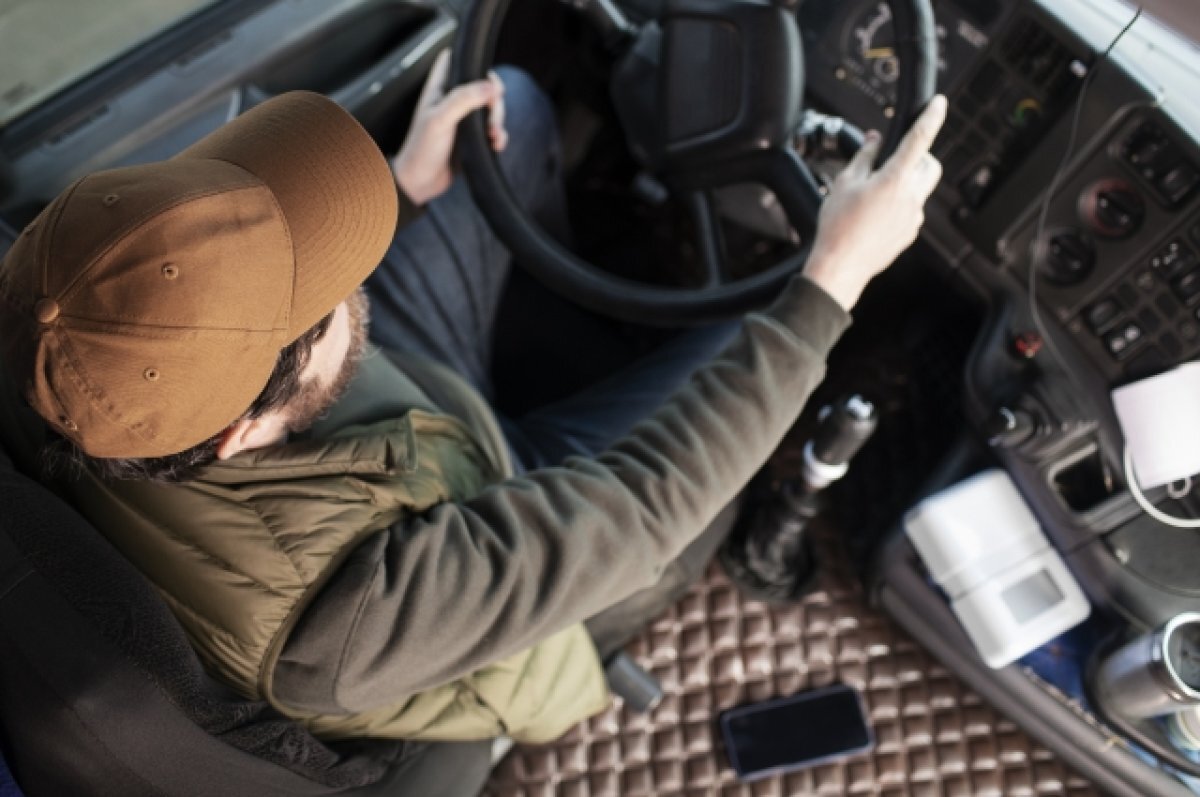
[[780, 169], [709, 240], [796, 188]]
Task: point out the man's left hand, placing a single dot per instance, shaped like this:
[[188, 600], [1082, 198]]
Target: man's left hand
[[422, 167]]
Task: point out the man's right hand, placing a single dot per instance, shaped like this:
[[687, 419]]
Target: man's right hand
[[872, 215]]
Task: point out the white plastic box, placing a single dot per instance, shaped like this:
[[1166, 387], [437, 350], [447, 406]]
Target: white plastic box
[[1010, 589]]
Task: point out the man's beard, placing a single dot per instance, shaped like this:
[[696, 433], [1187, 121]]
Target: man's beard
[[315, 398]]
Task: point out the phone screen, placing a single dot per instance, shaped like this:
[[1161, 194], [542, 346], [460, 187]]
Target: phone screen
[[792, 732]]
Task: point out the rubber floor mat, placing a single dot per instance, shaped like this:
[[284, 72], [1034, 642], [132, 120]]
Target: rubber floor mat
[[716, 649]]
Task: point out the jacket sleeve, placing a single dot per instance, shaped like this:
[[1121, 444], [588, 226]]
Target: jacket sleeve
[[407, 210], [449, 591]]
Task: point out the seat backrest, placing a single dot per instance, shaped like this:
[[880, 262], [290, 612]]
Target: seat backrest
[[100, 692]]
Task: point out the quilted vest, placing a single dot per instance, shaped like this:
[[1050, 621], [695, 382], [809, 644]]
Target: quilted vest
[[239, 553]]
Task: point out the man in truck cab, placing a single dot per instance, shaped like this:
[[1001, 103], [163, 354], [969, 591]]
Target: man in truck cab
[[343, 525]]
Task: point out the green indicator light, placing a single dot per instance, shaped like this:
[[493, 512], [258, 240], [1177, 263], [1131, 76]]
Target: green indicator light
[[1026, 111]]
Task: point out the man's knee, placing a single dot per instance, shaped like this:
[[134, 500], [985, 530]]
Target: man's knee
[[530, 114], [531, 162]]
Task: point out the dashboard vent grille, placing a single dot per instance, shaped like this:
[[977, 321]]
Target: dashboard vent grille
[[1038, 56]]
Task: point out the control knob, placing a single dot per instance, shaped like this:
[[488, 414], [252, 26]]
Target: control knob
[[1112, 209], [1068, 258]]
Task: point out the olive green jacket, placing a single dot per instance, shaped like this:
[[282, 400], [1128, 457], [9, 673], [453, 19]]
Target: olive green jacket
[[381, 583], [240, 552]]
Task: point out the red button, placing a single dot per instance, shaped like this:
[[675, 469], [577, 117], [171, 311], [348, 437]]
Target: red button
[[1027, 345]]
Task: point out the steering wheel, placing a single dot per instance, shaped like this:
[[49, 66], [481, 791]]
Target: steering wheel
[[708, 95]]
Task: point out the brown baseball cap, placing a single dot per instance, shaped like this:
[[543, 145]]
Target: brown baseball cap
[[144, 309]]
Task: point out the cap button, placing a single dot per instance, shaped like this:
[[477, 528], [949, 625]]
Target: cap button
[[46, 311]]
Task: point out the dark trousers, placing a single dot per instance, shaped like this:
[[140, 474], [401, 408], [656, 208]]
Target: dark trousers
[[436, 294]]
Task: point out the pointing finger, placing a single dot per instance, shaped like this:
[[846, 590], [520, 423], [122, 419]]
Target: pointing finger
[[920, 138]]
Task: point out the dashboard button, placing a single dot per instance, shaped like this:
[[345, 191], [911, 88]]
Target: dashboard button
[[974, 187], [1171, 345], [1145, 281], [1167, 304], [1147, 149], [1149, 320], [975, 144], [1101, 315], [954, 125], [993, 125], [1070, 258], [1120, 342], [1172, 260], [1178, 182], [1112, 208], [1148, 363], [986, 82], [1187, 287], [955, 161], [1026, 345]]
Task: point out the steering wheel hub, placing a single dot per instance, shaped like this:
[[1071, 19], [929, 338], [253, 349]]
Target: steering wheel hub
[[708, 83]]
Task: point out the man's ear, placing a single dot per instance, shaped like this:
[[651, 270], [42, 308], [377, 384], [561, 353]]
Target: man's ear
[[248, 434]]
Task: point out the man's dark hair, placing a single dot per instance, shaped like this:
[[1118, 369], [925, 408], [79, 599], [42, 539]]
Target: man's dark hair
[[62, 456]]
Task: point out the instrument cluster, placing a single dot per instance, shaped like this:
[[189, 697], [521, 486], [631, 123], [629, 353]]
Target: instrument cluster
[[850, 55]]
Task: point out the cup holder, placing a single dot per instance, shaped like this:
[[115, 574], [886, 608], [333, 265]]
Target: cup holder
[[1083, 482]]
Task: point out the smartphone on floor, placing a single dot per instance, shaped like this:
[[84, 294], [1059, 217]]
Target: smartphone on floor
[[790, 733]]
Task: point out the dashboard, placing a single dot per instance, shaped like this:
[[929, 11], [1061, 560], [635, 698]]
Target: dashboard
[[1070, 210], [1070, 204]]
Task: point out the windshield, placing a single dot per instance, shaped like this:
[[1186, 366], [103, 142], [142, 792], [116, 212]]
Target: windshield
[[45, 45]]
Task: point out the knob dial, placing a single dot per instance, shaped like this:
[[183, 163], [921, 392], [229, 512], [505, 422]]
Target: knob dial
[[1112, 209], [1069, 258]]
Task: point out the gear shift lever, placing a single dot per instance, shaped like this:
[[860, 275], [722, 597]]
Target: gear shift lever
[[768, 553]]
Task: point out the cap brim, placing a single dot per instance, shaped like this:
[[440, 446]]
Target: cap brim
[[334, 188]]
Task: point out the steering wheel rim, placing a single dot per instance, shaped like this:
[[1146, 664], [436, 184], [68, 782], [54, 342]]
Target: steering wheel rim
[[579, 281]]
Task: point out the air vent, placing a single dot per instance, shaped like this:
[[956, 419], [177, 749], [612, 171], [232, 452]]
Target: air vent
[[1036, 55]]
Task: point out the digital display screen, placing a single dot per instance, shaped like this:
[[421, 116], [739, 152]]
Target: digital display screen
[[796, 731], [1032, 596]]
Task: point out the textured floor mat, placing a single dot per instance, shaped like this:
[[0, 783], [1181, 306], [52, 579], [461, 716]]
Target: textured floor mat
[[716, 649]]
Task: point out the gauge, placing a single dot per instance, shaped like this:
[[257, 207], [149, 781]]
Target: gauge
[[869, 58]]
